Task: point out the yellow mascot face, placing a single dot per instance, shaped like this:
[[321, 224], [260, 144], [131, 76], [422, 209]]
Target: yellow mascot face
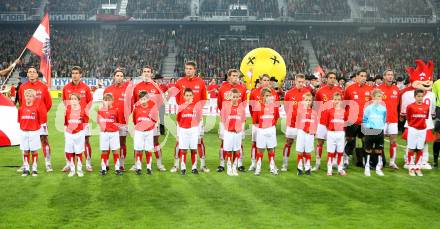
[[262, 61]]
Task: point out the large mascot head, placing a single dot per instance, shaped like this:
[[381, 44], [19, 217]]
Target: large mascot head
[[421, 77], [262, 61]]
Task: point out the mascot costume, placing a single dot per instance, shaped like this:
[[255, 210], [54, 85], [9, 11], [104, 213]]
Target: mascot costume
[[420, 77], [262, 61]]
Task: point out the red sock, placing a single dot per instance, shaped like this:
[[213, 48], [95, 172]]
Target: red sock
[[393, 148], [183, 156], [299, 157], [79, 157], [259, 155], [271, 155], [115, 158], [419, 155], [330, 157], [148, 157], [138, 156], [319, 150], [156, 150], [123, 151], [308, 156], [88, 151], [339, 160], [70, 157], [103, 156], [410, 157], [34, 157], [286, 150], [193, 158]]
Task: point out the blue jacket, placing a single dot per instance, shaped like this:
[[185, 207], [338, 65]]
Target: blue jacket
[[375, 116]]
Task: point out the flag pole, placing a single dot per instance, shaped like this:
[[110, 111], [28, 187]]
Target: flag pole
[[13, 68]]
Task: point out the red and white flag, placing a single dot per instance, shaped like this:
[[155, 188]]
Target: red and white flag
[[9, 127], [39, 44]]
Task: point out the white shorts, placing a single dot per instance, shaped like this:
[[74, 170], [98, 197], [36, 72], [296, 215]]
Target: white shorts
[[416, 138], [335, 141], [304, 142], [30, 140], [109, 140], [123, 130], [254, 132], [390, 129], [221, 131], [266, 138], [74, 143], [188, 138], [291, 132], [44, 130], [143, 140], [87, 131], [321, 132], [232, 141]]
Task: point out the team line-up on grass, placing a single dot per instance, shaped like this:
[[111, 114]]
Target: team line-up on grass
[[329, 113]]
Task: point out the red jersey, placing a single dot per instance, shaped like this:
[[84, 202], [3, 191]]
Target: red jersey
[[152, 89], [42, 97], [75, 120], [307, 120], [334, 119], [325, 93], [291, 100], [360, 95], [145, 118], [119, 100], [416, 115], [391, 99], [267, 116], [31, 117], [255, 98], [225, 94], [189, 115], [213, 90], [197, 85], [82, 89], [109, 119], [233, 117]]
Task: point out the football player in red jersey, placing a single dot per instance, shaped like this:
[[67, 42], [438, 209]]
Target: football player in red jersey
[[254, 104], [108, 120], [391, 99], [197, 85], [157, 96], [224, 98], [357, 94], [118, 90], [44, 100], [30, 116], [323, 96], [291, 101], [213, 96], [416, 115], [78, 87]]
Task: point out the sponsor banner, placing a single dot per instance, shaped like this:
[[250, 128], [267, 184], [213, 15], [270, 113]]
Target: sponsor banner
[[408, 20], [61, 82], [67, 17], [12, 17]]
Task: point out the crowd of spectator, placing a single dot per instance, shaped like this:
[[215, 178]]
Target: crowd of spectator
[[258, 8], [214, 55], [318, 9], [164, 9], [347, 52], [73, 6], [27, 6]]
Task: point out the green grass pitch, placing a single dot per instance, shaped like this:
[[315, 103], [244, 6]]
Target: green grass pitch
[[213, 200]]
